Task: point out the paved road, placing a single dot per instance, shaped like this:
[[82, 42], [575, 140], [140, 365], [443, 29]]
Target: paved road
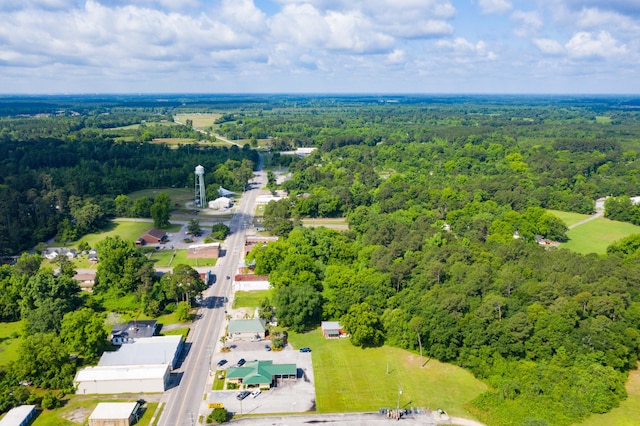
[[599, 213], [184, 399]]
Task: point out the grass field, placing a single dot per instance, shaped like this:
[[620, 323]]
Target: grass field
[[569, 218], [354, 379], [175, 141], [163, 257], [9, 334], [628, 413], [177, 195], [250, 299], [596, 235], [200, 121]]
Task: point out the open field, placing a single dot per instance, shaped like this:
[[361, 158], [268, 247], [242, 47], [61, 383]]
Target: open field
[[569, 218], [128, 230], [163, 257], [175, 141], [596, 235], [77, 409], [148, 124], [9, 334], [628, 413], [177, 195], [349, 378], [200, 121], [250, 299]]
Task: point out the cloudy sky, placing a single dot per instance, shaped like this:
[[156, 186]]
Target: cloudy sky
[[320, 46]]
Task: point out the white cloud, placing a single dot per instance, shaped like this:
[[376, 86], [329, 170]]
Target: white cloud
[[585, 44], [465, 51], [495, 6], [549, 46], [597, 18], [398, 56], [530, 22]]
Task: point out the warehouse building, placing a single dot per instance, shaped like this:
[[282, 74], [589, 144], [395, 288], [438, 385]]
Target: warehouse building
[[122, 379], [114, 414], [149, 351], [19, 416]]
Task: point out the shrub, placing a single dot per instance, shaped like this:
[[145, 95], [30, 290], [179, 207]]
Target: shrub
[[218, 415]]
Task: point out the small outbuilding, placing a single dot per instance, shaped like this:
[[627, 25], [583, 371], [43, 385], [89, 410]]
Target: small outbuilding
[[247, 329], [331, 329], [114, 414], [19, 416]]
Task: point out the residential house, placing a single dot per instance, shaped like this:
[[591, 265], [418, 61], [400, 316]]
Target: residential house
[[152, 236], [331, 329]]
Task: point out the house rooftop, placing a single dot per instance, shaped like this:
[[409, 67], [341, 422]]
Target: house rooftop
[[121, 372], [255, 325], [135, 329], [260, 372], [153, 350]]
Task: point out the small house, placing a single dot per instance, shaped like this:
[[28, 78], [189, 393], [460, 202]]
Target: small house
[[152, 236]]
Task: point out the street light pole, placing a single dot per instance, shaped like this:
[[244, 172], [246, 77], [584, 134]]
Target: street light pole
[[398, 406]]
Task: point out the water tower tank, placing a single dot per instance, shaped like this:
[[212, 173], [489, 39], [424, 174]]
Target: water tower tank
[[200, 170]]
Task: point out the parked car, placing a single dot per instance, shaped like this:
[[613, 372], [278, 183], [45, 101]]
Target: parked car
[[242, 395], [241, 362], [222, 362], [255, 393], [267, 348], [305, 350]]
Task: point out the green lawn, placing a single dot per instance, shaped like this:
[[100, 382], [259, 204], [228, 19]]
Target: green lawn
[[569, 218], [596, 235], [628, 413], [9, 341], [163, 257], [250, 299], [353, 379], [176, 194]]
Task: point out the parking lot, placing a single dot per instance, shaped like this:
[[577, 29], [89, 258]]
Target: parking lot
[[288, 396]]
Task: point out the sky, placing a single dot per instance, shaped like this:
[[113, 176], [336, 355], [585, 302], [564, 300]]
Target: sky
[[320, 46]]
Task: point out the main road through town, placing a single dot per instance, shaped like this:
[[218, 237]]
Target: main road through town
[[183, 400]]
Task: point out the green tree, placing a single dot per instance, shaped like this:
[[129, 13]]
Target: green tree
[[142, 207], [363, 326], [44, 361], [83, 332], [160, 210], [219, 231], [123, 205], [298, 306], [121, 267], [182, 312], [193, 226]]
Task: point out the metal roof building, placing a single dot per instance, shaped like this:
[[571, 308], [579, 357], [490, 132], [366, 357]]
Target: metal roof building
[[261, 373], [113, 414], [19, 416], [122, 379], [151, 350]]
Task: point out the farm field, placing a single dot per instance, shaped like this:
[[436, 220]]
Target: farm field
[[351, 379], [200, 121], [596, 235]]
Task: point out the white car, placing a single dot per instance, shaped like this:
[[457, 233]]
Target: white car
[[255, 393]]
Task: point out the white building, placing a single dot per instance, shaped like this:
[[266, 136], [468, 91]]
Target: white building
[[113, 414], [122, 379], [19, 416], [149, 351], [220, 203]]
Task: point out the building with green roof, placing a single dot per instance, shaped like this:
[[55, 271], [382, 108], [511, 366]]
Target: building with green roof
[[261, 373], [245, 329]]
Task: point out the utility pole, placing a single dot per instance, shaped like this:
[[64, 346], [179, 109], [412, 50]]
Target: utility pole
[[398, 406]]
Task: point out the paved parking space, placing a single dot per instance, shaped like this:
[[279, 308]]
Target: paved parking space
[[288, 396]]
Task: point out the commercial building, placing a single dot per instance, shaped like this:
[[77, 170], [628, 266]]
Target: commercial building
[[19, 416], [122, 379], [114, 414]]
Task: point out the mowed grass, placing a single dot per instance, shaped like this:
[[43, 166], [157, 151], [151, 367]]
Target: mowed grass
[[9, 341], [165, 258], [348, 378], [128, 230], [569, 218], [628, 413], [174, 141], [596, 235], [250, 299], [177, 195]]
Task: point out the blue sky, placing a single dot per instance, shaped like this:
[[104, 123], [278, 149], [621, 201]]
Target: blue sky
[[320, 46]]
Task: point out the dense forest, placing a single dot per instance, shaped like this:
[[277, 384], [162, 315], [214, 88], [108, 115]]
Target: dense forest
[[446, 199]]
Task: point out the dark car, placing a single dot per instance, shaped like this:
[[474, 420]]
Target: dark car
[[242, 395], [222, 362], [305, 350], [241, 362], [267, 348]]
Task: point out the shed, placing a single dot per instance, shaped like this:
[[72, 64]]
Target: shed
[[331, 329], [113, 414], [19, 416], [122, 379], [246, 329]]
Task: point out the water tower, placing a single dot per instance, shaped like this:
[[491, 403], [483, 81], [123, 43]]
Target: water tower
[[200, 197]]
